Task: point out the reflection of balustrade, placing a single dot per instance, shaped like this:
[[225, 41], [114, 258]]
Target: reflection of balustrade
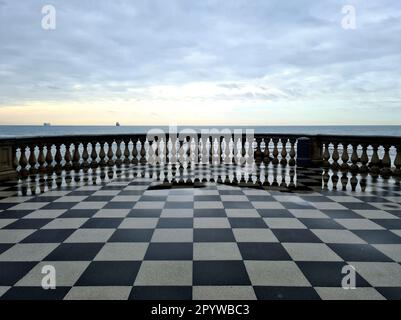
[[48, 155]]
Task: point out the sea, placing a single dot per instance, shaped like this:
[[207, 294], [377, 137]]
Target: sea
[[8, 131]]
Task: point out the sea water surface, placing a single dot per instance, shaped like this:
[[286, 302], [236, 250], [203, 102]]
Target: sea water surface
[[25, 130]]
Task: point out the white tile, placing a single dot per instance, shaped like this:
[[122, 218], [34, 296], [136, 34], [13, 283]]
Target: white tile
[[15, 199], [29, 206], [375, 214], [242, 213], [359, 224], [208, 205], [216, 251], [71, 199], [28, 252], [211, 223], [67, 273], [106, 193], [122, 252], [328, 206], [234, 198], [90, 235], [112, 213], [348, 294], [125, 198], [177, 213], [308, 213], [14, 236], [345, 199], [98, 293], [90, 205], [337, 236], [165, 273], [391, 250], [6, 222], [267, 205], [149, 205], [65, 223], [311, 252], [379, 274], [275, 273], [284, 223], [138, 223], [172, 235], [45, 214], [254, 235]]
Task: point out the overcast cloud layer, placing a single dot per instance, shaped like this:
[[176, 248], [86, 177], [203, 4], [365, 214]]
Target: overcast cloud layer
[[187, 61]]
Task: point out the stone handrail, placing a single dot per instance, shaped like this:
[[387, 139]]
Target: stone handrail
[[52, 154]]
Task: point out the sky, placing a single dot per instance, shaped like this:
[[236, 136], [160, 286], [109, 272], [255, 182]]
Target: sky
[[209, 62]]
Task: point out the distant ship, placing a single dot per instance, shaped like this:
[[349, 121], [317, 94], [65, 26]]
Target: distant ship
[[47, 124], [117, 124]]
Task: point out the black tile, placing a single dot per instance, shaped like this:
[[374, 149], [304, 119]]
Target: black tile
[[285, 293], [11, 272], [207, 198], [263, 251], [81, 193], [14, 214], [161, 293], [109, 273], [231, 192], [390, 293], [153, 198], [98, 223], [199, 213], [6, 205], [75, 252], [175, 223], [297, 205], [378, 236], [42, 199], [320, 223], [48, 236], [98, 198], [213, 235], [358, 206], [79, 213], [145, 213], [28, 224], [169, 251], [237, 205], [316, 199], [274, 213], [296, 235], [372, 199], [390, 224], [247, 223], [358, 252], [131, 192], [119, 205], [59, 205], [5, 246], [35, 293], [220, 273], [261, 198], [341, 214], [131, 235], [327, 274], [179, 205]]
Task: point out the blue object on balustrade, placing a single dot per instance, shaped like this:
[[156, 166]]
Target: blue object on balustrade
[[304, 152]]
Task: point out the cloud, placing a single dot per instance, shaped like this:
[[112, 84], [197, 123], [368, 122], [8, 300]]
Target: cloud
[[236, 53]]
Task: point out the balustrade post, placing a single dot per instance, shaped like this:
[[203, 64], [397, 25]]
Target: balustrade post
[[397, 162], [110, 153], [134, 151], [67, 157], [126, 152], [335, 156], [386, 162], [345, 157], [375, 161], [258, 151], [49, 158], [283, 160], [85, 155], [364, 159], [93, 163], [275, 151], [58, 158], [76, 157], [32, 160], [119, 154], [266, 151], [354, 158], [292, 161]]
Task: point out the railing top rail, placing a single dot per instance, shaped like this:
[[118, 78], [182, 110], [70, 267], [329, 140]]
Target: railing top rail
[[392, 140]]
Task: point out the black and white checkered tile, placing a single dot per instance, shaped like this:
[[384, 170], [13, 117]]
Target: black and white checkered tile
[[122, 240]]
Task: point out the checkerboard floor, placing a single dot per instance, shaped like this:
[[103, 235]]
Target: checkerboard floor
[[129, 238]]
